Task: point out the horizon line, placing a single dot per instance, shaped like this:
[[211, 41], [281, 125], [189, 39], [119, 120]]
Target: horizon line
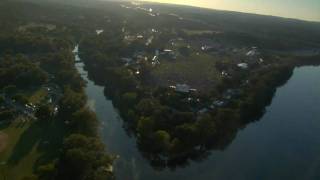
[[227, 10]]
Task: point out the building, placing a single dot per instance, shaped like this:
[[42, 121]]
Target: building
[[99, 31], [155, 61], [218, 103], [243, 65], [203, 111], [167, 50], [184, 88], [261, 60], [169, 53], [224, 74], [157, 52], [206, 48], [253, 52], [127, 60]]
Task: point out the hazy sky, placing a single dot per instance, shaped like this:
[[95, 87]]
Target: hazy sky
[[300, 9]]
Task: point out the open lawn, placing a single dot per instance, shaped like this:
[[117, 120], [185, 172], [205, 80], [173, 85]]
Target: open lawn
[[198, 71], [11, 134], [26, 144]]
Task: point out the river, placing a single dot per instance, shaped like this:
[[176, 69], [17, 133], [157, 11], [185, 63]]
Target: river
[[283, 144]]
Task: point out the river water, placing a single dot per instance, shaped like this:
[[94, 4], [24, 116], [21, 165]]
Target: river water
[[283, 144]]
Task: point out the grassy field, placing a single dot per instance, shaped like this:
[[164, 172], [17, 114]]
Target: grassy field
[[197, 70], [27, 144], [12, 165]]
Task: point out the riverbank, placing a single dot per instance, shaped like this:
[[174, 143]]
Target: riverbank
[[46, 127], [131, 164], [169, 136]]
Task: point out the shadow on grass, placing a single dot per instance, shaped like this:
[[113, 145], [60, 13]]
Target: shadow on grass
[[47, 136], [27, 140], [5, 124], [51, 143]]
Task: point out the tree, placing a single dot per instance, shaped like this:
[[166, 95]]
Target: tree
[[21, 98], [31, 177], [177, 146], [10, 89], [145, 126], [77, 163], [44, 112], [46, 171], [71, 102], [129, 99], [2, 100], [71, 78], [85, 122], [7, 114], [103, 174], [82, 158], [187, 133], [206, 128], [162, 140], [147, 106]]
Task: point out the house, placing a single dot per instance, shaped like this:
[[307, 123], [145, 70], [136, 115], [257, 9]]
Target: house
[[56, 110], [129, 38], [155, 60], [157, 52], [127, 60], [261, 60], [149, 41], [231, 93], [169, 53], [253, 52], [206, 48], [167, 50], [224, 74], [76, 49], [99, 31], [193, 90], [202, 111], [184, 88], [243, 65], [139, 56], [173, 87], [218, 103]]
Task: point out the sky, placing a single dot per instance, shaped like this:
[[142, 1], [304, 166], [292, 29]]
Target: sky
[[298, 9]]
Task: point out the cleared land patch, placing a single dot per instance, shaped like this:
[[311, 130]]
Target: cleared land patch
[[198, 71]]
